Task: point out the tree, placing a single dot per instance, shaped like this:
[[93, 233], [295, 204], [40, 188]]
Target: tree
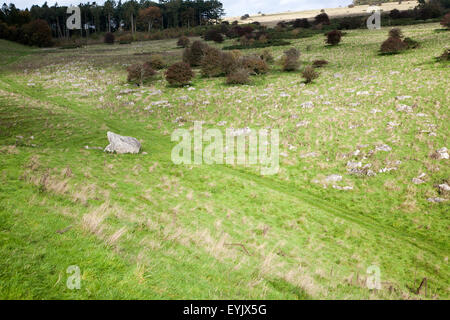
[[108, 9], [150, 15]]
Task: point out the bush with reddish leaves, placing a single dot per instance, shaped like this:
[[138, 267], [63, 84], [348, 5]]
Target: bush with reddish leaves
[[140, 73], [309, 74], [396, 33], [156, 61], [211, 64], [183, 42], [446, 21], [322, 19], [333, 37], [393, 45], [109, 38], [319, 63], [290, 62], [254, 64], [179, 74], [238, 76], [194, 54], [213, 35], [229, 62]]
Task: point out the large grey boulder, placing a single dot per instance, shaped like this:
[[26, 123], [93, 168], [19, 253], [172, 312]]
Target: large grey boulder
[[121, 144]]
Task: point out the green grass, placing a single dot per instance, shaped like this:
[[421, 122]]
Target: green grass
[[223, 232]]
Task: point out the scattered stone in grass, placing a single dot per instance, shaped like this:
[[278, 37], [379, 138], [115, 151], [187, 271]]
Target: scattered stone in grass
[[333, 178], [307, 105], [309, 155], [383, 147], [444, 189], [93, 148], [302, 123], [404, 108], [436, 200], [400, 98], [122, 144], [346, 188], [338, 75], [440, 154], [417, 181], [353, 164]]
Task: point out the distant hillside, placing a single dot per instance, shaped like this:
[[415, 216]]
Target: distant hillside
[[371, 2]]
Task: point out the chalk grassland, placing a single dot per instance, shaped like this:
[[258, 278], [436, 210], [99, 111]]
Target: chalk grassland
[[140, 227], [271, 19]]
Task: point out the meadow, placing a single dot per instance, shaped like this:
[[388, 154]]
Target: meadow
[[141, 227]]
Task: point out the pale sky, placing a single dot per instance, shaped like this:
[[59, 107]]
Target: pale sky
[[232, 7]]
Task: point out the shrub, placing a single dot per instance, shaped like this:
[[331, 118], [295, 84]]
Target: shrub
[[4, 31], [393, 45], [238, 76], [179, 74], [319, 63], [109, 38], [125, 39], [411, 44], [446, 21], [140, 73], [229, 62], [194, 54], [309, 74], [301, 23], [395, 14], [156, 61], [183, 42], [267, 56], [322, 19], [254, 64], [290, 61], [36, 33], [396, 33], [333, 37], [245, 16], [445, 55], [212, 62], [213, 35], [351, 23]]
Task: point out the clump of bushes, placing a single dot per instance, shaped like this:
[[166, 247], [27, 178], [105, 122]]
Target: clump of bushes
[[254, 64], [301, 23], [393, 45], [411, 44], [238, 76], [156, 61], [179, 74], [267, 56], [213, 35], [396, 33], [229, 62], [125, 39], [309, 74], [446, 21], [109, 38], [319, 63], [183, 42], [333, 37], [290, 61], [194, 54], [211, 64], [140, 73], [322, 19], [35, 33]]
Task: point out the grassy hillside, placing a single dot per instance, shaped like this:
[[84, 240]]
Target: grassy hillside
[[140, 227]]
